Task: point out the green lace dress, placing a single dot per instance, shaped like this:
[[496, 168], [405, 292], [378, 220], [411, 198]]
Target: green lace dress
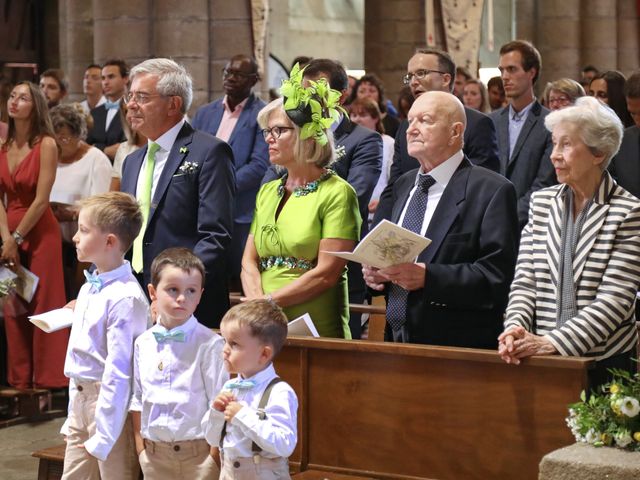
[[288, 247]]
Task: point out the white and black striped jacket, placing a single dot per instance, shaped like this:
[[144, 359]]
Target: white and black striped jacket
[[606, 273]]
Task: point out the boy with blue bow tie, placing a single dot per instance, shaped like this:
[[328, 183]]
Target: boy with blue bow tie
[[177, 371], [111, 311], [254, 417]]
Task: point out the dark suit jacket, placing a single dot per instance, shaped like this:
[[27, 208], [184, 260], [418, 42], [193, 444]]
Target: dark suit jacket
[[529, 167], [100, 138], [193, 210], [470, 262], [250, 151], [625, 166], [480, 146]]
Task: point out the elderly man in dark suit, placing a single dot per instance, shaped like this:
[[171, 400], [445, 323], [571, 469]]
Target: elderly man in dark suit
[[233, 119], [525, 144], [184, 180], [456, 292], [625, 167], [107, 132], [359, 161], [430, 70]]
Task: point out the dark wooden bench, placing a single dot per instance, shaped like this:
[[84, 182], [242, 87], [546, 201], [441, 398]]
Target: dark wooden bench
[[51, 462]]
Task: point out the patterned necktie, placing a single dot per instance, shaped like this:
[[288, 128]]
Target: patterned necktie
[[413, 219], [94, 280], [176, 336], [144, 197]]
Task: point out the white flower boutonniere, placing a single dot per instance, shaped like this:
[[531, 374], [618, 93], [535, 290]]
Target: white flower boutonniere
[[184, 150], [188, 167], [341, 151]]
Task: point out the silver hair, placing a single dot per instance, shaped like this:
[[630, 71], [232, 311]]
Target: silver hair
[[598, 126], [173, 79], [305, 151]]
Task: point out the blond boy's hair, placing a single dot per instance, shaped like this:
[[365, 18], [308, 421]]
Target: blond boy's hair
[[117, 213], [265, 320]]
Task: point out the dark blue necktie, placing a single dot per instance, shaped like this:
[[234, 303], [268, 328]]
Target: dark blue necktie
[[413, 219]]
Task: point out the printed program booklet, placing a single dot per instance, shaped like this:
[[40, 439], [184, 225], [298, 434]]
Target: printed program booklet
[[386, 245], [54, 320], [303, 326]]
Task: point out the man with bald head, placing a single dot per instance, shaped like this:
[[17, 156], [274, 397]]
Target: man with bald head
[[456, 291]]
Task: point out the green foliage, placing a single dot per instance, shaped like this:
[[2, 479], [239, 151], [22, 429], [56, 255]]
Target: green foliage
[[610, 417], [6, 286]]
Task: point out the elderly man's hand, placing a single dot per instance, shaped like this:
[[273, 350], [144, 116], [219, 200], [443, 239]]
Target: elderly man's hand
[[517, 343], [372, 278], [410, 276]]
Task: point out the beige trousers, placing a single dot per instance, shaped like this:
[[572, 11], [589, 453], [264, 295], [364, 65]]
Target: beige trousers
[[121, 464], [247, 469], [188, 460]]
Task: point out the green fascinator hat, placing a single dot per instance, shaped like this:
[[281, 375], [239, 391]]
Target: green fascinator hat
[[314, 108]]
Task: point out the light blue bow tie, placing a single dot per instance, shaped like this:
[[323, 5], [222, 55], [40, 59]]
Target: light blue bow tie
[[94, 280], [176, 336], [112, 105], [240, 384]]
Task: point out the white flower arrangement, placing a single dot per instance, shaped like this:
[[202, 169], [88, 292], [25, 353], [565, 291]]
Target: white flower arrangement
[[188, 167], [341, 151], [610, 418]]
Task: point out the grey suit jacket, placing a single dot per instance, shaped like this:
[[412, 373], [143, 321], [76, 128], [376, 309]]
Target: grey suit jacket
[[625, 167], [529, 167]]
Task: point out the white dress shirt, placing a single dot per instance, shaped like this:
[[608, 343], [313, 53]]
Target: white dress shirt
[[105, 326], [85, 105], [277, 434], [442, 175], [166, 141], [175, 382]]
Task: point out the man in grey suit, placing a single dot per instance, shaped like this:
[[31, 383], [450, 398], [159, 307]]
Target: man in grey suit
[[625, 166], [525, 145]]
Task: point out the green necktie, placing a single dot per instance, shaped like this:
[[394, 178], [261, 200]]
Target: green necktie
[[144, 198]]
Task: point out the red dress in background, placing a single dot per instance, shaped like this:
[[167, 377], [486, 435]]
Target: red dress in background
[[35, 358]]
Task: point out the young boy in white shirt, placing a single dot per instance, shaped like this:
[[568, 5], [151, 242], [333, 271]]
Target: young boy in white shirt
[[254, 417], [178, 370], [110, 312]]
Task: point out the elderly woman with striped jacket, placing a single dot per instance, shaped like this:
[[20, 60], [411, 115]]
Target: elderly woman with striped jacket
[[578, 270]]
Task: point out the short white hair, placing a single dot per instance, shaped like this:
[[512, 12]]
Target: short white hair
[[598, 126], [173, 79]]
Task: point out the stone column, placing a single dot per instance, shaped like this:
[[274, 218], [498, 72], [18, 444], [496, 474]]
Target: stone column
[[230, 33], [558, 40], [628, 32], [182, 33], [76, 42], [393, 30], [599, 39], [122, 29]]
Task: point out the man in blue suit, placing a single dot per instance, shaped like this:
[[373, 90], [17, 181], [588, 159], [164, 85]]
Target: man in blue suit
[[233, 119], [358, 161], [184, 180], [524, 142]]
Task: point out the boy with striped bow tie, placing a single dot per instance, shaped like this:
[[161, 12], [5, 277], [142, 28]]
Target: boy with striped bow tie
[[178, 369], [254, 417], [109, 314]]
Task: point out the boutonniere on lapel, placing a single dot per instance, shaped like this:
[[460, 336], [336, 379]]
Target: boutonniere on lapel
[[188, 167], [184, 150], [341, 151]]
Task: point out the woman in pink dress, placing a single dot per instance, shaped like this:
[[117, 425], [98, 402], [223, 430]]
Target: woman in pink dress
[[31, 238]]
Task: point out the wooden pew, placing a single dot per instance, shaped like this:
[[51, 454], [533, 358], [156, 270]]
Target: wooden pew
[[415, 412]]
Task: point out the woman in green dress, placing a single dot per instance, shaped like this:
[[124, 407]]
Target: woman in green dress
[[298, 218]]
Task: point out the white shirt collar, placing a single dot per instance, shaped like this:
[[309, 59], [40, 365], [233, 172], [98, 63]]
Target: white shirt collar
[[168, 138], [119, 272], [442, 173]]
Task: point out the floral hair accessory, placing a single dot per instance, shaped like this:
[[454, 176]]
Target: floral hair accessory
[[313, 108]]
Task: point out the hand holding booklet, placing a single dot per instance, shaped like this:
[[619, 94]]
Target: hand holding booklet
[[386, 245], [54, 320]]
